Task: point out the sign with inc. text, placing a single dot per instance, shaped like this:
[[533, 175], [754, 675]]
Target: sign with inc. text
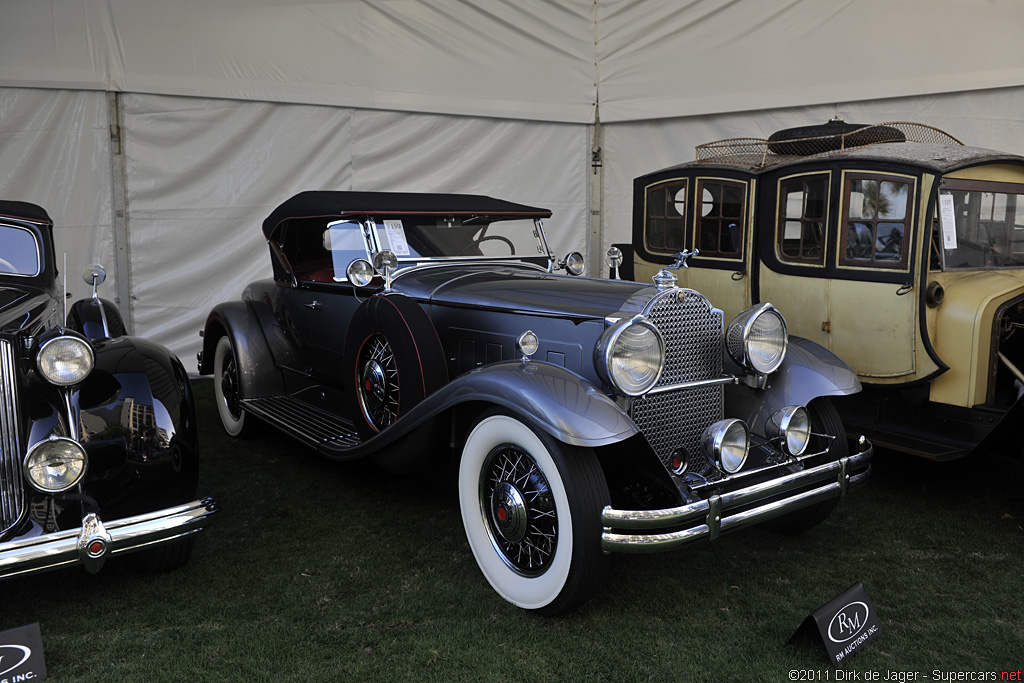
[[846, 624], [21, 655]]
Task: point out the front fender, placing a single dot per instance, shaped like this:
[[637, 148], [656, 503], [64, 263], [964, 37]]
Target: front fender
[[809, 371], [135, 417], [560, 402], [258, 375]]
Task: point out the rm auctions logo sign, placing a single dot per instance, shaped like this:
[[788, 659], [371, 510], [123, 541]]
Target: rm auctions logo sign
[[21, 655], [848, 622]]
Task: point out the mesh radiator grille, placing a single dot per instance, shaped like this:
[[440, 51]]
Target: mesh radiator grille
[[692, 330], [12, 496]]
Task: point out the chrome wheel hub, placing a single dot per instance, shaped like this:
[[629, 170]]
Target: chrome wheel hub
[[377, 377], [508, 510], [373, 384]]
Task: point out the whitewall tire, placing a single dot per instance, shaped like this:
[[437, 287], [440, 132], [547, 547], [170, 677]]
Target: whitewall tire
[[531, 507], [226, 391]]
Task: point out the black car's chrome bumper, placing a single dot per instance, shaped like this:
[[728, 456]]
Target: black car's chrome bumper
[[639, 531], [90, 544]]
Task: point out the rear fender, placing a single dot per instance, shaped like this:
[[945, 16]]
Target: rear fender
[[257, 373], [809, 371]]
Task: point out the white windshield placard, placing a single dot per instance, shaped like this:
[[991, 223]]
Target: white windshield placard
[[396, 237], [947, 220]]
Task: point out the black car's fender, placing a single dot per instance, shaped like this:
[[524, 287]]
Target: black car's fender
[[258, 375], [135, 417], [96, 319], [809, 371], [558, 401]]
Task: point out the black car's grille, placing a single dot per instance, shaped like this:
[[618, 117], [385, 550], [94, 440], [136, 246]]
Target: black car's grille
[[12, 495], [692, 330]]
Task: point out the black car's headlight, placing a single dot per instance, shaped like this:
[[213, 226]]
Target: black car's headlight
[[631, 356], [757, 339], [55, 465], [65, 360]]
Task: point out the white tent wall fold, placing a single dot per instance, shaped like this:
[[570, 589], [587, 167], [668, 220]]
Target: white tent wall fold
[[224, 108]]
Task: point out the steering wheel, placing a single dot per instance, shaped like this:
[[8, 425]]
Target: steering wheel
[[8, 266], [511, 247]]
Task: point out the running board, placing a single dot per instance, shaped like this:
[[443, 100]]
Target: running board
[[309, 424]]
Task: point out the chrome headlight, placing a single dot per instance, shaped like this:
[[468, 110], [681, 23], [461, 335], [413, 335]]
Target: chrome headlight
[[359, 272], [757, 339], [55, 465], [726, 442], [65, 360], [792, 426], [631, 356]]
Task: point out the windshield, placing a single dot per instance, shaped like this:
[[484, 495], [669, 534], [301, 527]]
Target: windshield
[[421, 238], [19, 253], [981, 225], [321, 253]]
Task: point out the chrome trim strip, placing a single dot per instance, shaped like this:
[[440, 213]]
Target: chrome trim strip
[[695, 384], [66, 548], [722, 513]]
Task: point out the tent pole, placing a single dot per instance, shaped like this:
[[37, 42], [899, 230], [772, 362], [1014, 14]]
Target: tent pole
[[119, 207]]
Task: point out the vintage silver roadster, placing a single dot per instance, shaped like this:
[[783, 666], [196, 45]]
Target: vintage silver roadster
[[584, 416]]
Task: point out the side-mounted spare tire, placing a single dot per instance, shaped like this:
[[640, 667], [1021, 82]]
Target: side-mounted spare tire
[[393, 360]]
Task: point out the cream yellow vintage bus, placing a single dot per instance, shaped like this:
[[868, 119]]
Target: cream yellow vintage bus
[[894, 245]]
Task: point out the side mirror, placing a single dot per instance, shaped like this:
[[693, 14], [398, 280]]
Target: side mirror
[[613, 257], [95, 275], [385, 262]]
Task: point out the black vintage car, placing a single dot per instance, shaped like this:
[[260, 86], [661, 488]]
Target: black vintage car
[[584, 416], [97, 429]]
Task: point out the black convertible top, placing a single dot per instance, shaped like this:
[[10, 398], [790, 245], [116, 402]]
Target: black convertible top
[[336, 204], [23, 211]]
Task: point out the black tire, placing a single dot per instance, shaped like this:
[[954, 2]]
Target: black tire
[[825, 421], [226, 388], [531, 507], [393, 360], [164, 557]]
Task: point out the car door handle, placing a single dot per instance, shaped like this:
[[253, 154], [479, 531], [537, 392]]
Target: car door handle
[[314, 305]]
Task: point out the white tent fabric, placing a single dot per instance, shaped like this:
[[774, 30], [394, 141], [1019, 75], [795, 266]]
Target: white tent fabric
[[55, 152], [526, 59], [224, 108]]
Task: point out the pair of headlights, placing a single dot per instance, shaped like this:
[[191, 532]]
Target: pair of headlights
[[727, 442], [58, 463], [632, 352]]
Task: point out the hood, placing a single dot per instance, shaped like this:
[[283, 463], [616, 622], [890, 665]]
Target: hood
[[518, 289], [23, 307]]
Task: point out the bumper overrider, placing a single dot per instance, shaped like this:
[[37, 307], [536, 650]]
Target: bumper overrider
[[640, 531], [91, 544]]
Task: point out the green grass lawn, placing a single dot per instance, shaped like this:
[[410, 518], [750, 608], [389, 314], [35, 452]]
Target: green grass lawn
[[321, 571]]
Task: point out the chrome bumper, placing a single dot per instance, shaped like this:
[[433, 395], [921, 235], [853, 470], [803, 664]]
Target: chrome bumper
[[707, 519], [90, 544]]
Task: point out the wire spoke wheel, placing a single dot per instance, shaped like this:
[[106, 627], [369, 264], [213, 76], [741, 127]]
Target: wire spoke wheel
[[379, 390], [531, 506], [520, 510]]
